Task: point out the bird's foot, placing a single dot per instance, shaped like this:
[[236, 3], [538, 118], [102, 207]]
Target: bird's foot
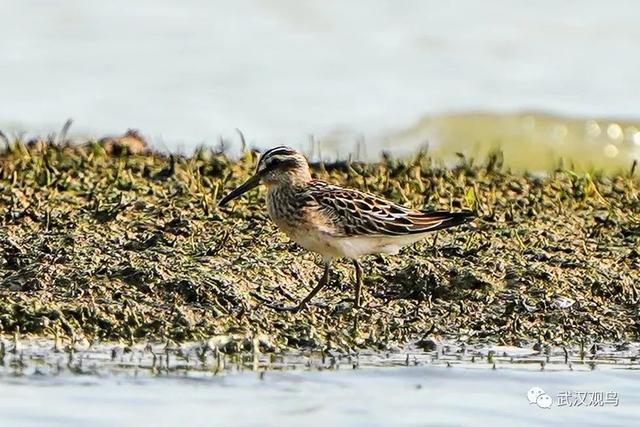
[[285, 308], [277, 306]]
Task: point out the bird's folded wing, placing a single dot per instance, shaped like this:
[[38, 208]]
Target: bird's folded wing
[[356, 213]]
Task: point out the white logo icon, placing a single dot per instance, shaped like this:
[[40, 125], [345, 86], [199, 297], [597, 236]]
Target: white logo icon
[[539, 397]]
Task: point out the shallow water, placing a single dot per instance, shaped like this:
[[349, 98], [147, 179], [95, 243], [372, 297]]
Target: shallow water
[[110, 384], [186, 72], [409, 396]]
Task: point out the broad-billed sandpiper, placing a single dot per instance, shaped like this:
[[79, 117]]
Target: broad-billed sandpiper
[[333, 221]]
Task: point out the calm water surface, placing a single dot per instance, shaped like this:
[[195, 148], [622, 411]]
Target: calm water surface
[[186, 72], [412, 396], [44, 383]]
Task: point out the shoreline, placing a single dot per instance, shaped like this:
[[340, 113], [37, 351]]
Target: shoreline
[[38, 357]]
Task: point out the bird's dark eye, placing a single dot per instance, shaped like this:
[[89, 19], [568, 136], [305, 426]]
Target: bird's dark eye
[[273, 163]]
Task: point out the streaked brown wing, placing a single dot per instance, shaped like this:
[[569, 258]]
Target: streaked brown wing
[[357, 213]]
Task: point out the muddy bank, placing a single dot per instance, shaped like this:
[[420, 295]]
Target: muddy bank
[[110, 241]]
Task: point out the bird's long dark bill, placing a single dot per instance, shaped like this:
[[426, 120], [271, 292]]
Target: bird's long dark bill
[[252, 182]]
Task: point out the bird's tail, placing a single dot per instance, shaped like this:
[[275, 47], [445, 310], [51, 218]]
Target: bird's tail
[[439, 220]]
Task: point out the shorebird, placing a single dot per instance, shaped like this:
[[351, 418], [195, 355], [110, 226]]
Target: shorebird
[[333, 221]]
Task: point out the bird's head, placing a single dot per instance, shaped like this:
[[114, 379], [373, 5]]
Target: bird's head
[[277, 166]]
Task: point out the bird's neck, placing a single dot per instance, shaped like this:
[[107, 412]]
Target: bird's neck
[[294, 178], [285, 188], [283, 201]]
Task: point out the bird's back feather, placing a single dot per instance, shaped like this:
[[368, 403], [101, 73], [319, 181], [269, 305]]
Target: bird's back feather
[[356, 213]]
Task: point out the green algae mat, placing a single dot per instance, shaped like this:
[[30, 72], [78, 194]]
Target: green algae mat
[[111, 241]]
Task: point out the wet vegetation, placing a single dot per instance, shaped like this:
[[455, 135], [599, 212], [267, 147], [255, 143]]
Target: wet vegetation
[[110, 241]]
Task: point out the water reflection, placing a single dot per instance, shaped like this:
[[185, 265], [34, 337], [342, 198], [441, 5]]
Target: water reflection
[[529, 141], [615, 132]]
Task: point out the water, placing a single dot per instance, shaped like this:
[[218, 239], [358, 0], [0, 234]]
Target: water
[[43, 382], [186, 72], [414, 396]]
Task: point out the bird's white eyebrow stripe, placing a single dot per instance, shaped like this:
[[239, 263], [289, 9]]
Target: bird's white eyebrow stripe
[[274, 152], [278, 151]]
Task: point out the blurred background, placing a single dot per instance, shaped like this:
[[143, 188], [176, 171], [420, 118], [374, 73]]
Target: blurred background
[[543, 80]]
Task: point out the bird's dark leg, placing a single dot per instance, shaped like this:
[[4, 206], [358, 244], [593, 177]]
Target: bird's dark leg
[[356, 303], [324, 280]]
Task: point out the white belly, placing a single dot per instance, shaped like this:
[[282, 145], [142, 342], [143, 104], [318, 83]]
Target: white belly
[[351, 247]]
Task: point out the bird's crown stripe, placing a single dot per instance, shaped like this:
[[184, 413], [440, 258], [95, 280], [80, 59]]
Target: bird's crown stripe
[[278, 151]]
